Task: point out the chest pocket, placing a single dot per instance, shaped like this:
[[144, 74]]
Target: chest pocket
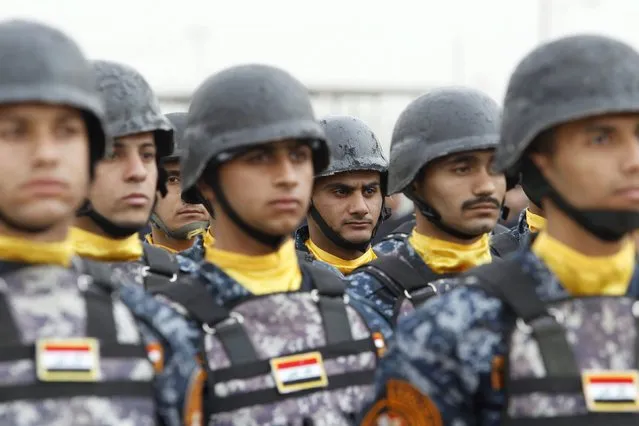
[[569, 362], [288, 358]]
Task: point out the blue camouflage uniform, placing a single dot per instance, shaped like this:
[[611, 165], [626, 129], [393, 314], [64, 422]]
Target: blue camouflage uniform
[[518, 234], [26, 289], [196, 251], [447, 347], [301, 236]]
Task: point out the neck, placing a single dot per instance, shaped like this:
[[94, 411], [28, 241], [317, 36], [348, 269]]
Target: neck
[[425, 227], [86, 224], [535, 210], [229, 237], [567, 231], [162, 239], [320, 240], [56, 233]]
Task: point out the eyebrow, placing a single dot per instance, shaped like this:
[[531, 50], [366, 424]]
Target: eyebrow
[[464, 158], [173, 172], [598, 127]]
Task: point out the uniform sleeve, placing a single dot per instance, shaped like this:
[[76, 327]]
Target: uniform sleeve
[[363, 286], [432, 371], [179, 379]]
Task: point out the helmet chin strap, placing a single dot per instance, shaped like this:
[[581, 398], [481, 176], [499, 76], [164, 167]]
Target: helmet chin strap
[[182, 233], [273, 241], [606, 225], [435, 218], [110, 228], [334, 236]]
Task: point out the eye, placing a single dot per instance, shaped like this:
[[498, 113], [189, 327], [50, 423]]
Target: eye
[[371, 191], [148, 156], [461, 170], [300, 154], [173, 180], [13, 131], [258, 157], [600, 139], [69, 129], [340, 192]]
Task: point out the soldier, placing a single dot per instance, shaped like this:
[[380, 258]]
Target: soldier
[[74, 345], [282, 345], [174, 223], [530, 222], [123, 194], [347, 204], [441, 156], [549, 335]]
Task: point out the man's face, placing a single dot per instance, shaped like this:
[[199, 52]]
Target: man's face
[[44, 165], [269, 187], [174, 212], [125, 183], [350, 203], [594, 163], [464, 190]]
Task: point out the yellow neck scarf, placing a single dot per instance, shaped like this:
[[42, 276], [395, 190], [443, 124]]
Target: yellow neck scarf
[[105, 249], [583, 275], [446, 257], [276, 272], [344, 266], [32, 252], [535, 222], [149, 239], [209, 239]]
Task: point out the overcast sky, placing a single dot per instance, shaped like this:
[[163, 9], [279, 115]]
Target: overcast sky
[[406, 43]]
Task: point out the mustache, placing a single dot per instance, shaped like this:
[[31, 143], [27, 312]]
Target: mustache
[[480, 200]]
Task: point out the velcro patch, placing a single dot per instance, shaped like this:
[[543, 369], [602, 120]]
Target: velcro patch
[[299, 372], [68, 360], [611, 391]]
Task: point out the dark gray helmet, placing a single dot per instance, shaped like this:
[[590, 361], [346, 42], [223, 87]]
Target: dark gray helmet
[[131, 108], [353, 146], [178, 121], [564, 80], [444, 121], [245, 106], [131, 105], [42, 64]]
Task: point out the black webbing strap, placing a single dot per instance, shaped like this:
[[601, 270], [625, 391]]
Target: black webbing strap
[[503, 244], [516, 289], [331, 304], [161, 267], [47, 390], [215, 319], [404, 276], [100, 319], [9, 332]]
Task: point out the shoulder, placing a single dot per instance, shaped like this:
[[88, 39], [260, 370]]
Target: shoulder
[[362, 283], [390, 245]]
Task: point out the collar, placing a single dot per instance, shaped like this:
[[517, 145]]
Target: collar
[[447, 257], [32, 252], [343, 265], [535, 222], [105, 249]]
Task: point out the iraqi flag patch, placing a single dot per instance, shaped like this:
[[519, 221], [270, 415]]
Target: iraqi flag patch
[[611, 391], [68, 360], [299, 372]]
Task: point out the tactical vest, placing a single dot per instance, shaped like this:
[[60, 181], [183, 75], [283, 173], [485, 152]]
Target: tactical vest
[[401, 232], [503, 244], [409, 280], [160, 267], [79, 362], [569, 362], [302, 358]]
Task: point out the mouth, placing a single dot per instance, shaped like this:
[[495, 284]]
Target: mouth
[[483, 206], [631, 193], [136, 200], [285, 204], [190, 212], [359, 225], [45, 186]]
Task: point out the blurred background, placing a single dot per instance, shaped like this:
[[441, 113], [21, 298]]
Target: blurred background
[[359, 57]]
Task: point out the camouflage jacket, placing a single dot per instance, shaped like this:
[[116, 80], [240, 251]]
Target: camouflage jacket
[[447, 348], [301, 236], [196, 251], [365, 286], [48, 302]]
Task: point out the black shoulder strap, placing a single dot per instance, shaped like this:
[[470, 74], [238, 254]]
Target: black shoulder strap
[[398, 275], [516, 289], [502, 244], [100, 319], [196, 299], [331, 304], [161, 266], [304, 256]]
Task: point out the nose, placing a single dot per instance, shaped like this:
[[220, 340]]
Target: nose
[[357, 205], [136, 170], [285, 172]]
